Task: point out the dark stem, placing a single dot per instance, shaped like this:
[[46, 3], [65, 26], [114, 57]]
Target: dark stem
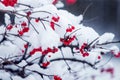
[[74, 60]]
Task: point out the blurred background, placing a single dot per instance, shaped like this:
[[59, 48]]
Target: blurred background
[[102, 15]]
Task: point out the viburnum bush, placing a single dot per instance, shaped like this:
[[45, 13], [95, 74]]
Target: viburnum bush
[[40, 42]]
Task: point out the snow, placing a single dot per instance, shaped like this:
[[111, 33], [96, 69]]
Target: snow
[[106, 37], [42, 35]]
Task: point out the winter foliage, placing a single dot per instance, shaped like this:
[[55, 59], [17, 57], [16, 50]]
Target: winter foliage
[[40, 42]]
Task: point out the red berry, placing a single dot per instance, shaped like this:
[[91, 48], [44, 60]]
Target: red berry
[[37, 20], [45, 64], [57, 77], [99, 57], [40, 49], [23, 24], [32, 52], [52, 24], [66, 43], [26, 29], [67, 30], [84, 55], [49, 49], [84, 44], [55, 50], [9, 27], [72, 27], [81, 50], [28, 13], [70, 30], [20, 33], [87, 54], [44, 52], [26, 46], [61, 39]]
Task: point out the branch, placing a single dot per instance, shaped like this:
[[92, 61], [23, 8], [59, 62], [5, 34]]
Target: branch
[[74, 60], [109, 43]]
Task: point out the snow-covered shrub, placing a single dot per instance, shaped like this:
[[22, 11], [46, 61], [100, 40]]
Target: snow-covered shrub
[[40, 42]]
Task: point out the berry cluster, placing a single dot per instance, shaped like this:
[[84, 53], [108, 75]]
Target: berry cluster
[[52, 23], [108, 70], [9, 2], [48, 50], [68, 40], [55, 19], [24, 29], [45, 64], [70, 29], [23, 24], [82, 50], [116, 55], [44, 52], [35, 50]]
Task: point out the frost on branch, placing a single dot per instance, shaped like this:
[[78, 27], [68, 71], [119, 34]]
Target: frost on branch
[[39, 42]]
